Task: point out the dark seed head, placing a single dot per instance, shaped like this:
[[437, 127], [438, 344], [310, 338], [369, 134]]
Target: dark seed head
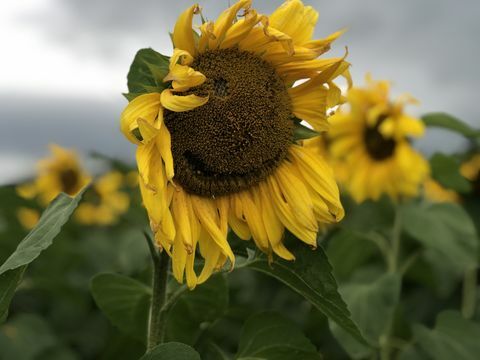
[[378, 147], [241, 134]]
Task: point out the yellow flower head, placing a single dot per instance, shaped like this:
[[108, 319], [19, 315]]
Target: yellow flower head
[[471, 171], [372, 140], [58, 173], [216, 150], [435, 192], [104, 202]]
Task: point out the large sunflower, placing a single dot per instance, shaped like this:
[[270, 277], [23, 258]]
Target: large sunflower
[[372, 141], [216, 150]]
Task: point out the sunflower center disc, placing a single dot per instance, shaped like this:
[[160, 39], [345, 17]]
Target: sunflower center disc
[[241, 134], [378, 147], [69, 181]]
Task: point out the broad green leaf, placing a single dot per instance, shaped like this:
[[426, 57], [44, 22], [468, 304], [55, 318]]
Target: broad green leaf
[[347, 250], [449, 122], [42, 235], [372, 304], [369, 215], [310, 275], [25, 337], [447, 228], [446, 170], [146, 73], [195, 309], [270, 336], [9, 282], [301, 132], [172, 351], [453, 337], [124, 301]]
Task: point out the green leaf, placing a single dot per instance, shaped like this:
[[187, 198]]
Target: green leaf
[[195, 309], [446, 228], [446, 170], [172, 351], [452, 338], [347, 250], [25, 337], [146, 73], [42, 235], [124, 301], [270, 336], [372, 304], [310, 275], [301, 132], [449, 122], [9, 282]]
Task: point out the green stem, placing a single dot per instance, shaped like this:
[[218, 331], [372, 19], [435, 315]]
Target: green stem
[[396, 239], [157, 320], [469, 296], [393, 268]]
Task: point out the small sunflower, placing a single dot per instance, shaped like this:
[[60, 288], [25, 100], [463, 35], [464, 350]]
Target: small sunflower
[[471, 171], [104, 202], [372, 140], [61, 172], [435, 192], [216, 150]]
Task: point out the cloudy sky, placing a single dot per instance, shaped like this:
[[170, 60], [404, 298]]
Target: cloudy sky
[[64, 62]]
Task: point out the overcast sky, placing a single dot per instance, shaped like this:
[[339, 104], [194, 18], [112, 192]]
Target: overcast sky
[[63, 64]]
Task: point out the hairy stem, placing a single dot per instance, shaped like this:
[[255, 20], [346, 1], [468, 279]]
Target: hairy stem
[[156, 324]]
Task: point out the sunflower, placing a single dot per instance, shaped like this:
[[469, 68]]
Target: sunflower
[[435, 192], [372, 141], [471, 171], [104, 202], [216, 149], [61, 172]]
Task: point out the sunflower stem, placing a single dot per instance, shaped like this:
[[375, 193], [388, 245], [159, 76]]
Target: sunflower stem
[[469, 296], [157, 319], [393, 268]]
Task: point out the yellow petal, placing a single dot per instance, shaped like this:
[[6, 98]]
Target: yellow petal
[[145, 107], [240, 30], [27, 191], [179, 258], [207, 215], [150, 167], [181, 216], [225, 20], [183, 77], [183, 32], [181, 103], [164, 146], [254, 220], [28, 218]]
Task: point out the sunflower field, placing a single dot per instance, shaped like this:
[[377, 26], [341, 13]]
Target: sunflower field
[[278, 209]]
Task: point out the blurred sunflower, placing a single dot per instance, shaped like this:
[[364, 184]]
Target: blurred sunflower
[[215, 149], [471, 171], [59, 173], [104, 201], [435, 192], [372, 140]]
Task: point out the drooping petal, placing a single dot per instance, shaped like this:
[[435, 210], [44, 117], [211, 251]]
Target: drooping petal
[[225, 21], [182, 76], [164, 147], [144, 107], [240, 30], [179, 103], [183, 37]]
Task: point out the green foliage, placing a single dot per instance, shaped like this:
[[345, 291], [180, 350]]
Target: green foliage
[[269, 336], [445, 228], [124, 301], [42, 235], [301, 132], [310, 275], [172, 351], [146, 73], [9, 282], [453, 337], [449, 122], [446, 170], [372, 303], [195, 310]]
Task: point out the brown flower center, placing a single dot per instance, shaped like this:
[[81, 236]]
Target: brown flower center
[[378, 147], [241, 134], [69, 181]]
